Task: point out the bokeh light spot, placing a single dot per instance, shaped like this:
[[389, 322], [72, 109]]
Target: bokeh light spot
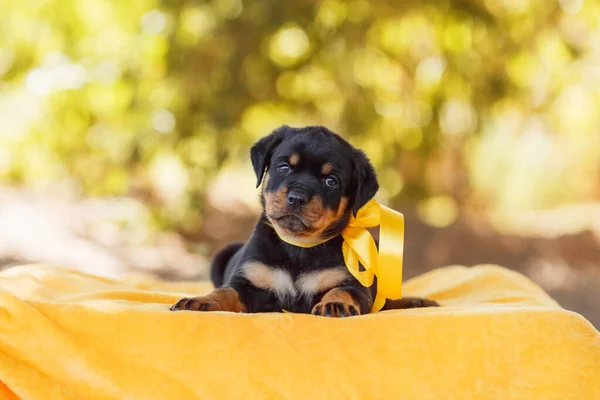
[[7, 58], [229, 9], [571, 6], [154, 22], [169, 176], [457, 118], [418, 114], [39, 82], [196, 23], [438, 211], [288, 46], [391, 180], [163, 121], [331, 13], [429, 71]]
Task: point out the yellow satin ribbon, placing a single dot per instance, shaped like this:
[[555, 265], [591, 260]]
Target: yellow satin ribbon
[[359, 246]]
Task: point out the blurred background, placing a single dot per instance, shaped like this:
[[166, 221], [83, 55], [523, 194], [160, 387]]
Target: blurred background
[[125, 127]]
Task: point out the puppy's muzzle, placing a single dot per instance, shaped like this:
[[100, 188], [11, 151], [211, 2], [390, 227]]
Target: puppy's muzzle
[[297, 199]]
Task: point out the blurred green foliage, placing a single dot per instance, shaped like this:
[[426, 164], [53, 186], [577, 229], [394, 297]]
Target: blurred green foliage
[[461, 104]]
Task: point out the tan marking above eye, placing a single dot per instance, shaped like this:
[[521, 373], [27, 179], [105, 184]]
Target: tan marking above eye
[[294, 159], [326, 168], [311, 283]]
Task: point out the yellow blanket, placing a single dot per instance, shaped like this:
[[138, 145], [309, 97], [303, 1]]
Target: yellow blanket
[[67, 335]]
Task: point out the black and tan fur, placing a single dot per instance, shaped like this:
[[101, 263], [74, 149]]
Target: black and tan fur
[[312, 180]]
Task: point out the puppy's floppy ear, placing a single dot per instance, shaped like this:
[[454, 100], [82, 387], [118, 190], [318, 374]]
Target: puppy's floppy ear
[[365, 183], [260, 153]]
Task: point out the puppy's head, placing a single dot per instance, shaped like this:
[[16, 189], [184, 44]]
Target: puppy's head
[[312, 180]]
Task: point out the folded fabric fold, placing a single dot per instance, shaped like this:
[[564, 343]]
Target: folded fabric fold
[[68, 335]]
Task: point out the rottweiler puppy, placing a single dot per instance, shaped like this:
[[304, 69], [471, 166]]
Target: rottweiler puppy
[[313, 180]]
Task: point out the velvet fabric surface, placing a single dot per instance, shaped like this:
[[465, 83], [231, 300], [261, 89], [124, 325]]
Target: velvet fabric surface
[[68, 335]]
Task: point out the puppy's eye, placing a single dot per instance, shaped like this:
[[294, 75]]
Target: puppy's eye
[[284, 169], [331, 181]]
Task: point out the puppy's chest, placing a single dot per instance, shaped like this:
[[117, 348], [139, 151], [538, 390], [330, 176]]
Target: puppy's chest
[[289, 287]]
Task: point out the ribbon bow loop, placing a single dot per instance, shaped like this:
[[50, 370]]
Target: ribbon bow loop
[[385, 264]]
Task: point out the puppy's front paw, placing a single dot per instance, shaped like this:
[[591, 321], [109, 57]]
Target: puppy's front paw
[[224, 299], [196, 304], [335, 309]]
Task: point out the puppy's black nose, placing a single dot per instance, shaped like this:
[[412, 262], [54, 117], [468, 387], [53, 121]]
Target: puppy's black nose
[[296, 199]]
